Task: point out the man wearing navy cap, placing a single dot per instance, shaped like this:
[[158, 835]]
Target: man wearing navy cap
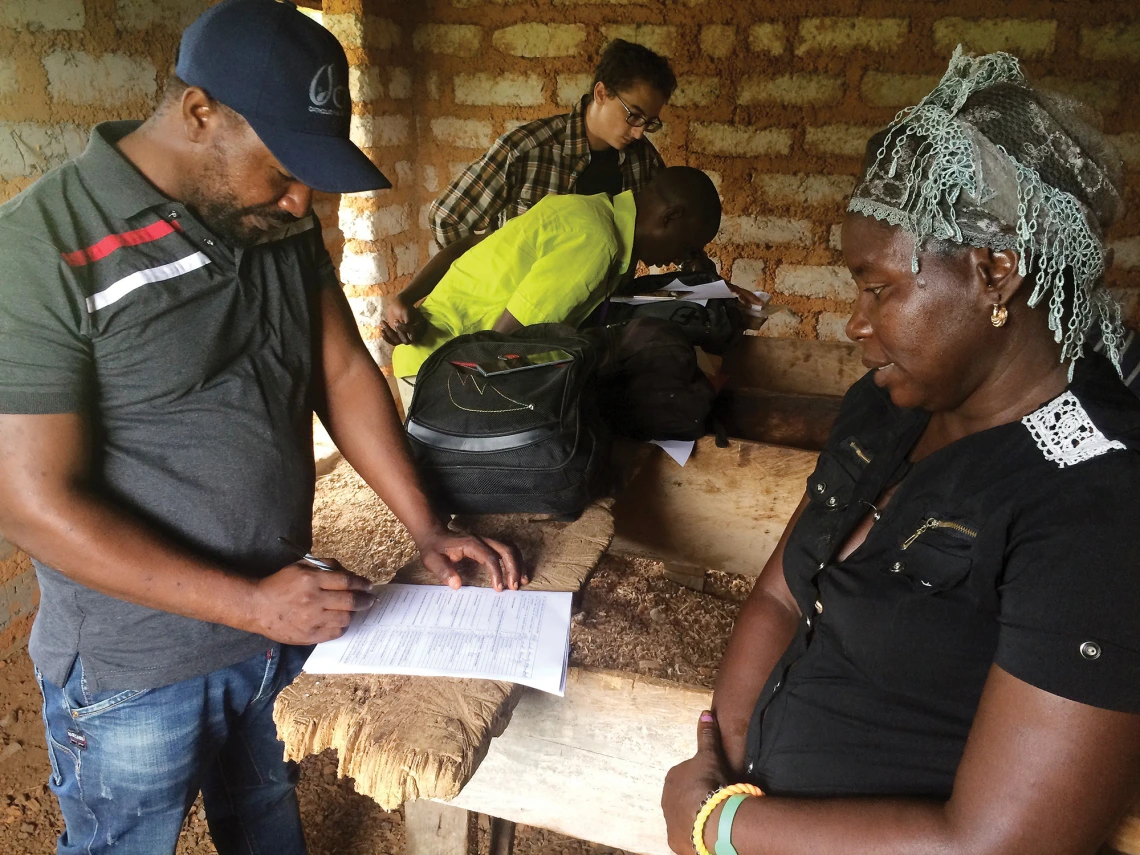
[[169, 322]]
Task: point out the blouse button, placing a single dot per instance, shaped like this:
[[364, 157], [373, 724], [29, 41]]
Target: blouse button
[[897, 567], [1090, 650], [818, 607], [832, 502], [209, 242], [807, 620], [820, 487], [821, 566]]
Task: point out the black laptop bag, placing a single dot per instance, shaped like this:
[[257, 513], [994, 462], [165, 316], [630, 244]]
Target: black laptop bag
[[529, 440]]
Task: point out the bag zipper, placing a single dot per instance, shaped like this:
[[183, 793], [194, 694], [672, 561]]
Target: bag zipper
[[935, 523]]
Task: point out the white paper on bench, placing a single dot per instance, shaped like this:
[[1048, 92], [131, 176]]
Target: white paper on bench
[[678, 449], [678, 290], [432, 630]]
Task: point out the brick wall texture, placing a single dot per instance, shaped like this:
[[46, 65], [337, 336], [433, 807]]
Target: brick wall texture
[[776, 100]]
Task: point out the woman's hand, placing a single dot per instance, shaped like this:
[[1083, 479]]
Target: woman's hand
[[688, 783], [403, 323]]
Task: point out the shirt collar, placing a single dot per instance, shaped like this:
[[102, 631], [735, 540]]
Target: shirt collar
[[118, 184], [625, 217], [577, 143]]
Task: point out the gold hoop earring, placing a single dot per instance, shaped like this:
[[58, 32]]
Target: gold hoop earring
[[999, 315]]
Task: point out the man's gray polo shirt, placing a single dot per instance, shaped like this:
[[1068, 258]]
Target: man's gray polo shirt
[[194, 364]]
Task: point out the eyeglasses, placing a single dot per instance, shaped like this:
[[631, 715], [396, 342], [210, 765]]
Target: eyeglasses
[[636, 120]]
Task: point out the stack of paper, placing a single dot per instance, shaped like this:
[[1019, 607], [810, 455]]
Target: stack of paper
[[678, 290], [432, 630]]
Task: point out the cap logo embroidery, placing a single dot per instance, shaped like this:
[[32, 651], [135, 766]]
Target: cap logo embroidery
[[323, 89]]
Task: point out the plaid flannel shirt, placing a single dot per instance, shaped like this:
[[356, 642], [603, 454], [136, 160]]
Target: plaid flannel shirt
[[525, 164]]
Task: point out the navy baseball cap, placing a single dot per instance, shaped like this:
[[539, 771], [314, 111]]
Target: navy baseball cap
[[287, 76]]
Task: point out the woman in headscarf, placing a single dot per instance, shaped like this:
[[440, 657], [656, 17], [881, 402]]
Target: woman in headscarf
[[943, 653]]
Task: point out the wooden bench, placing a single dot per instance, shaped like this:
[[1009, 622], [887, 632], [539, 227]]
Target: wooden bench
[[591, 765], [726, 509], [786, 391]]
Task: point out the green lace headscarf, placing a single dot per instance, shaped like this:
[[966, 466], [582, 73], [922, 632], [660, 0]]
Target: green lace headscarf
[[984, 160]]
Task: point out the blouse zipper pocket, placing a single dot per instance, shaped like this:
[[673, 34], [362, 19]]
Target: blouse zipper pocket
[[936, 523], [859, 452]]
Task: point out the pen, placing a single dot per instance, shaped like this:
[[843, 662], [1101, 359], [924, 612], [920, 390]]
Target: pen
[[303, 555]]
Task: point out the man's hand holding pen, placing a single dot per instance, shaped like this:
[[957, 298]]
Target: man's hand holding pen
[[309, 601]]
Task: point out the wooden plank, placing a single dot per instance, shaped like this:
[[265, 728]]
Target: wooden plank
[[780, 418], [591, 765], [406, 737], [431, 828], [690, 575], [724, 510], [502, 836], [799, 366], [601, 753]]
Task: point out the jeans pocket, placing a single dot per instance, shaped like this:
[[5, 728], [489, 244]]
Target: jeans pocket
[[82, 704], [54, 749], [103, 701]]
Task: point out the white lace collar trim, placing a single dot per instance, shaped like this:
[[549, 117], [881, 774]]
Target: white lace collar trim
[[1065, 433]]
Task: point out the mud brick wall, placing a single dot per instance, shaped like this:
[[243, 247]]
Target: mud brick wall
[[67, 64], [776, 101]]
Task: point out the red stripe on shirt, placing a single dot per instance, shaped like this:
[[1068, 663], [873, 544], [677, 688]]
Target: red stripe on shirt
[[112, 242]]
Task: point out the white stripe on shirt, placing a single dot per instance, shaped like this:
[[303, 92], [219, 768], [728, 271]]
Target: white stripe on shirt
[[1132, 377], [116, 291]]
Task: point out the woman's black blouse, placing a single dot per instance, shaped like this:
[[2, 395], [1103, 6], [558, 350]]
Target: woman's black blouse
[[1017, 546]]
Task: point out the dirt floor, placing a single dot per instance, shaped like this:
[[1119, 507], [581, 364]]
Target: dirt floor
[[632, 618]]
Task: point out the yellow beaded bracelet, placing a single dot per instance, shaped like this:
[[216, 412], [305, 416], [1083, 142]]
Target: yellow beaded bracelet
[[711, 804]]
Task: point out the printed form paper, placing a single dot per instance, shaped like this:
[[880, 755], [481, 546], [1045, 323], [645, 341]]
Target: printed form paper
[[434, 631]]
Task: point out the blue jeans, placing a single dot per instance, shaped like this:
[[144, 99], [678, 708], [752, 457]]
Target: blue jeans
[[127, 765]]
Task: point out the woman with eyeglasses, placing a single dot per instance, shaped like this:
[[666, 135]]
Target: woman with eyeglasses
[[599, 147]]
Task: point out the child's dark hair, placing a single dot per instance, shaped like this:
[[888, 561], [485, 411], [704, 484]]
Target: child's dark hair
[[624, 63]]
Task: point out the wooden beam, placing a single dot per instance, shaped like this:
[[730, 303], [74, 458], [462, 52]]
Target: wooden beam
[[432, 828], [502, 836], [794, 365], [724, 510], [590, 765], [780, 418]]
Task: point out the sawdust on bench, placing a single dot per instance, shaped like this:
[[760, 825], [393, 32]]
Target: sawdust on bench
[[629, 618]]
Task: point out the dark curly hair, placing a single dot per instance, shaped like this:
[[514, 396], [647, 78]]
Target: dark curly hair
[[624, 63]]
